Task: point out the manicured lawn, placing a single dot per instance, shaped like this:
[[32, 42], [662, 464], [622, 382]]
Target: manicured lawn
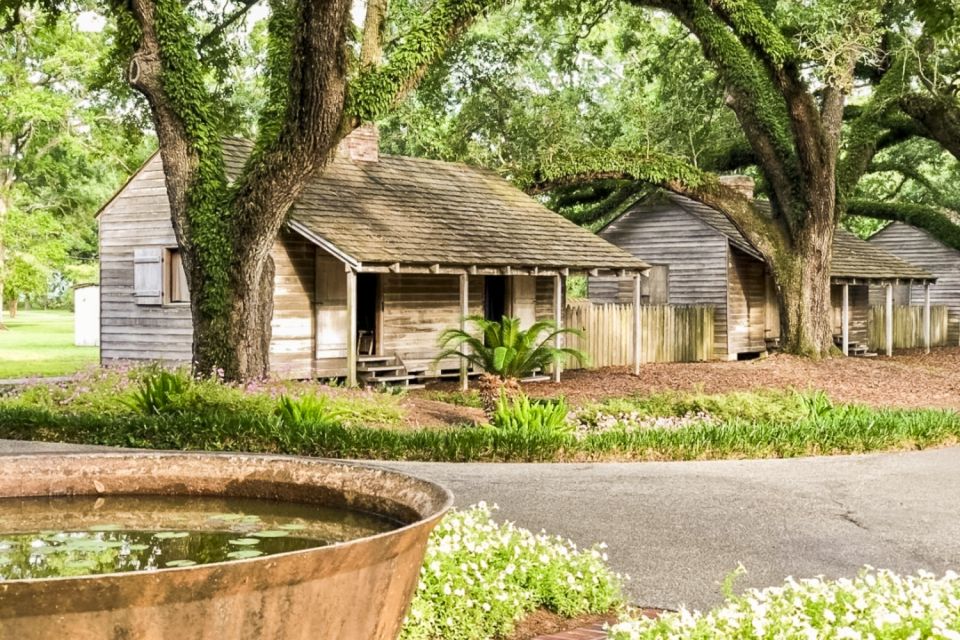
[[40, 343]]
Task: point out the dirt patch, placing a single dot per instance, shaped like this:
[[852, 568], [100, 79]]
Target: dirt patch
[[908, 380], [422, 412], [542, 622]]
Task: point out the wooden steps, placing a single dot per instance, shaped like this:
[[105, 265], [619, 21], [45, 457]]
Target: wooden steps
[[389, 371]]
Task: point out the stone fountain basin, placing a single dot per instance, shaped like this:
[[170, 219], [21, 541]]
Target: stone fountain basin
[[356, 590]]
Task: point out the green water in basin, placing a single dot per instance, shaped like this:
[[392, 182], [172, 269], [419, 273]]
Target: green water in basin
[[86, 535]]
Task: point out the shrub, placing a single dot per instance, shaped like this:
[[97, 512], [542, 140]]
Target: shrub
[[522, 417], [877, 604], [479, 578]]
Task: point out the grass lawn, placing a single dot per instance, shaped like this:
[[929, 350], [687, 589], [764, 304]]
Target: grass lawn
[[40, 343]]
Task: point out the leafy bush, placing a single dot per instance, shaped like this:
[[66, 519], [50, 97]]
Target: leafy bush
[[520, 416], [479, 578], [158, 391], [877, 604]]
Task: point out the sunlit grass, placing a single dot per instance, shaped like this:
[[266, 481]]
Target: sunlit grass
[[40, 343]]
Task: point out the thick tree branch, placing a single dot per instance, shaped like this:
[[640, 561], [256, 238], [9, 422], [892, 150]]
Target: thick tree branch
[[937, 222], [938, 116], [371, 48]]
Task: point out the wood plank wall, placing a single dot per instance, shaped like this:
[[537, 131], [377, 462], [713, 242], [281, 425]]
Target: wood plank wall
[[140, 217], [859, 311], [920, 248], [747, 301], [695, 253], [418, 308]]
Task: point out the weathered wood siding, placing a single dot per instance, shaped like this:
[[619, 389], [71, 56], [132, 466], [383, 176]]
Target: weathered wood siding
[[920, 248], [907, 327], [746, 303], [669, 333], [292, 342], [859, 311], [694, 252], [139, 217], [418, 308]]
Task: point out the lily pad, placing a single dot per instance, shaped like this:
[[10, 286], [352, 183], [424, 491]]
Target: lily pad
[[271, 533], [244, 542], [180, 563], [168, 535], [292, 526], [244, 553]]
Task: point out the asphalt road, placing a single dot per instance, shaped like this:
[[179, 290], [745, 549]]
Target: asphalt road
[[679, 528]]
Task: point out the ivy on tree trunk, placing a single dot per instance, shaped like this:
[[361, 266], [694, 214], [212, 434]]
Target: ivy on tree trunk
[[226, 230]]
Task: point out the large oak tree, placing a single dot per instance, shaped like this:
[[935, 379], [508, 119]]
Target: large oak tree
[[318, 88]]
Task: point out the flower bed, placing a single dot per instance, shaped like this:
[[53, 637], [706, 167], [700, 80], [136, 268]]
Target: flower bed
[[876, 605], [480, 578]]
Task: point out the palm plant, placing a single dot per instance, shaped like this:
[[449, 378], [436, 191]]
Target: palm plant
[[505, 352]]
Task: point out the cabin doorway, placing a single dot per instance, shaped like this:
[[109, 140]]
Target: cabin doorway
[[494, 297], [369, 306]]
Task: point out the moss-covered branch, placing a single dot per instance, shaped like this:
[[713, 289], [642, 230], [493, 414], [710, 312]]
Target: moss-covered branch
[[378, 88], [936, 222]]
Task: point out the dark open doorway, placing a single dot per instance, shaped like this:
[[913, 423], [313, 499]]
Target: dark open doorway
[[494, 297], [368, 308]]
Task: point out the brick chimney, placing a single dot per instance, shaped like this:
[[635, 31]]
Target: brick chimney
[[743, 184], [362, 144]]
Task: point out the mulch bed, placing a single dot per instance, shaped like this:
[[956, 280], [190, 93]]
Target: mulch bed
[[543, 625], [908, 380]]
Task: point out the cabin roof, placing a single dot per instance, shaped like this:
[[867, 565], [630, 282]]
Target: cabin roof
[[412, 211], [853, 258]]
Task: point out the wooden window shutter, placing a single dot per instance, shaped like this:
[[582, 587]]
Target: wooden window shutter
[[148, 275], [179, 291]]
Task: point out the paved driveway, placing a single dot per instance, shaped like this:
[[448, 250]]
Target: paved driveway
[[679, 528]]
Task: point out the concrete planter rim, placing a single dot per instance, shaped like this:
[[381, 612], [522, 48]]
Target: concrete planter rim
[[423, 519]]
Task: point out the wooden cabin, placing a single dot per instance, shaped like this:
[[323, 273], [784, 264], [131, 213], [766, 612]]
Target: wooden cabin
[[699, 257], [922, 249], [380, 254]]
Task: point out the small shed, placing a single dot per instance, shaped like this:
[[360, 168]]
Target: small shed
[[380, 254], [699, 257], [86, 315], [922, 249]]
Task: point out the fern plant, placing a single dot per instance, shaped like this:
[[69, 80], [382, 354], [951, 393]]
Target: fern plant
[[307, 410], [158, 391], [520, 416]]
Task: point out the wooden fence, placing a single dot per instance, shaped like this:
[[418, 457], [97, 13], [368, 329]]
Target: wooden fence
[[907, 327], [669, 333]]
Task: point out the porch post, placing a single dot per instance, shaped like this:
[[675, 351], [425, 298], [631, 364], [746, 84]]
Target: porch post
[[637, 331], [845, 319], [926, 317], [888, 320], [464, 312], [558, 320], [351, 328]]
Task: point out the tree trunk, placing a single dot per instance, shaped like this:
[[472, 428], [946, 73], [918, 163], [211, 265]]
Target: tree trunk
[[802, 277], [13, 308], [237, 346]]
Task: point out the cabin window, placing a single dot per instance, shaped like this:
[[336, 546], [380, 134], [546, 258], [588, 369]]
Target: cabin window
[[176, 278]]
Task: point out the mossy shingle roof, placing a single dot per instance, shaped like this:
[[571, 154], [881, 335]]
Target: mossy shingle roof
[[426, 212]]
